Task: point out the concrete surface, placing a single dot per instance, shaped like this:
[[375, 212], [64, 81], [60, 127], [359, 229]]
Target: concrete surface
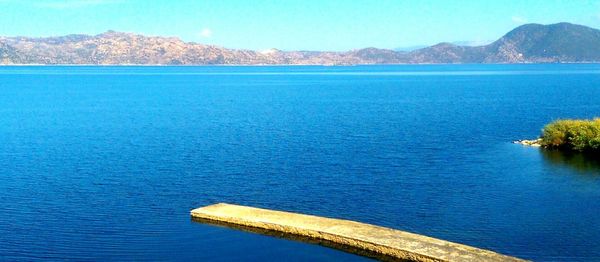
[[355, 237]]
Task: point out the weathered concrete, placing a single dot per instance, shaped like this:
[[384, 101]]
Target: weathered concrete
[[350, 235]]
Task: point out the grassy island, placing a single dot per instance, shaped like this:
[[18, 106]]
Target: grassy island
[[572, 135]]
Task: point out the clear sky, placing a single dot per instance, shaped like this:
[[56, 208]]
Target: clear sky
[[294, 24]]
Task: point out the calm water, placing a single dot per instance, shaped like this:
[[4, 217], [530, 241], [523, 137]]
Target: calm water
[[101, 163]]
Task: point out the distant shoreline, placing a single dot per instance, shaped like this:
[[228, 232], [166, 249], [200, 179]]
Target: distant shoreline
[[528, 43], [282, 65]]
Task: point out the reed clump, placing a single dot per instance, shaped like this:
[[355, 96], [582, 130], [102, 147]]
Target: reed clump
[[572, 135]]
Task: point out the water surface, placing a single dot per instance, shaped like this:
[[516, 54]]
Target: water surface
[[101, 163]]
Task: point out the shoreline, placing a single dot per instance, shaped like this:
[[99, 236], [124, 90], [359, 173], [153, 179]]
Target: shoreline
[[533, 143], [284, 65]]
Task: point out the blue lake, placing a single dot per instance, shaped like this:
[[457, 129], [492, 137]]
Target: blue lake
[[105, 163]]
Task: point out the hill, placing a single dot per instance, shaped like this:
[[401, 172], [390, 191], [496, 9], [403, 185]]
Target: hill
[[530, 43]]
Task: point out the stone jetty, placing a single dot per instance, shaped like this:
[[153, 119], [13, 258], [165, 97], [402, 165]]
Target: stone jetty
[[360, 238]]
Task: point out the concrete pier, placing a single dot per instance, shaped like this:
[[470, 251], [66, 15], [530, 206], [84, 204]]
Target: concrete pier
[[363, 239]]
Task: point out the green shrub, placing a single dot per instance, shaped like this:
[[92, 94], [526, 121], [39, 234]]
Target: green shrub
[[576, 135]]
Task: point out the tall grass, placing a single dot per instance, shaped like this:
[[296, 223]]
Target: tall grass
[[575, 135]]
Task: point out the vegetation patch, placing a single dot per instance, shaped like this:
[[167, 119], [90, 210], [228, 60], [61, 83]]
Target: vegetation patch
[[572, 135]]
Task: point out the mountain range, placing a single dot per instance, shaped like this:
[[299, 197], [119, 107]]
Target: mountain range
[[530, 43]]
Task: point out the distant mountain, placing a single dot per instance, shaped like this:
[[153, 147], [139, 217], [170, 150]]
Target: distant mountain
[[461, 43], [9, 54], [530, 43], [471, 43], [561, 42], [409, 48]]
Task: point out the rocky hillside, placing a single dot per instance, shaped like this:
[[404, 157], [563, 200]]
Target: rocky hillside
[[8, 54], [561, 42], [531, 43]]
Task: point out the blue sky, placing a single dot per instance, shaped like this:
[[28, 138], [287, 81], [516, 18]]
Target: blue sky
[[294, 24]]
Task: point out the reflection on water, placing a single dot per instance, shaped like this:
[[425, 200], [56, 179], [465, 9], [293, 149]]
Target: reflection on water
[[311, 240], [580, 162]]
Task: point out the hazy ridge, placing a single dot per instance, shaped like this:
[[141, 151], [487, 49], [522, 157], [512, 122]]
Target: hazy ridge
[[530, 43]]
